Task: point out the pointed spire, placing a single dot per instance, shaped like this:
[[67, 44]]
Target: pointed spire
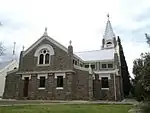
[[109, 34], [45, 32]]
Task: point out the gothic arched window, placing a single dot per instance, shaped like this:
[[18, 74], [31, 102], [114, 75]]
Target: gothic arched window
[[41, 59], [47, 58], [44, 57]]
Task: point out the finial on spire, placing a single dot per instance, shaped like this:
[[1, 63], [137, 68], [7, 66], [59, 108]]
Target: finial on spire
[[22, 48], [108, 16], [70, 42], [45, 32], [14, 48]]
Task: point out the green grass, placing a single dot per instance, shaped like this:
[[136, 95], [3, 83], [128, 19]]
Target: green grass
[[59, 108]]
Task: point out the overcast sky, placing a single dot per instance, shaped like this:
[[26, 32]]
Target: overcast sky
[[82, 21]]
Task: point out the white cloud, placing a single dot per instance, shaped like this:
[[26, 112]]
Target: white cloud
[[82, 21]]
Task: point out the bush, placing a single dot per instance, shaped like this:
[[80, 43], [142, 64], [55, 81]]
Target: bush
[[146, 108]]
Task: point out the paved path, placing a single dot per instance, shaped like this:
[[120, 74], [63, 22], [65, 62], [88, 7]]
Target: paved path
[[6, 102]]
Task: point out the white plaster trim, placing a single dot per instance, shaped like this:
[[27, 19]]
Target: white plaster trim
[[104, 88], [43, 72], [107, 75], [42, 75], [44, 46], [60, 74], [93, 77], [15, 70], [115, 87], [43, 64], [59, 88], [41, 88], [105, 72], [81, 68], [23, 76], [117, 71]]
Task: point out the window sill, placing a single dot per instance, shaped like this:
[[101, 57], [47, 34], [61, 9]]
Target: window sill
[[43, 64], [41, 88], [59, 88], [104, 88]]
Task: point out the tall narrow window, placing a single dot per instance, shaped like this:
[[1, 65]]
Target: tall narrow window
[[59, 81], [47, 58], [44, 57], [41, 59], [105, 83], [42, 82]]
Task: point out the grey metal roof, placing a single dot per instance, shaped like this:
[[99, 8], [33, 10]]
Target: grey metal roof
[[103, 54]]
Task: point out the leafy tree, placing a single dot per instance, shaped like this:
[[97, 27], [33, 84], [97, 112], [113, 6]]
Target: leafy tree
[[141, 70], [124, 71]]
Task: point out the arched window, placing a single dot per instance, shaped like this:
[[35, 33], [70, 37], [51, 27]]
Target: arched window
[[44, 57], [47, 58], [41, 59]]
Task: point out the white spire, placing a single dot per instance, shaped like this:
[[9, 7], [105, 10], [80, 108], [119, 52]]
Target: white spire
[[109, 34], [45, 32]]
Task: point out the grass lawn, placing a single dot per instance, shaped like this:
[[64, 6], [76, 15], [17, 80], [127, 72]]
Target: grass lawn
[[59, 108]]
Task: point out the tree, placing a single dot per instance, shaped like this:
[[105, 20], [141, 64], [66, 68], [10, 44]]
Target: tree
[[141, 70], [124, 71], [1, 49]]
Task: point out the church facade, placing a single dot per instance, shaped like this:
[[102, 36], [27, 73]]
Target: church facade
[[48, 70]]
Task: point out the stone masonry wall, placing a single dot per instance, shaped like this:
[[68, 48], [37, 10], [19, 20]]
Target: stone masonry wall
[[59, 61], [11, 86], [82, 84], [50, 92], [104, 94]]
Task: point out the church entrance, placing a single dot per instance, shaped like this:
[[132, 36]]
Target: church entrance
[[26, 83]]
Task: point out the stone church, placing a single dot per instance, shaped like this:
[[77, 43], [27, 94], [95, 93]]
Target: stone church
[[48, 70]]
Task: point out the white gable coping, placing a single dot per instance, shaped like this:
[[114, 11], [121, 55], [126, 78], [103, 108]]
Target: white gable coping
[[7, 66], [52, 41], [12, 71], [40, 40]]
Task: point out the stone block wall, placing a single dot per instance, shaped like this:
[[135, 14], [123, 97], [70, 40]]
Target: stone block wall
[[82, 84], [106, 94]]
